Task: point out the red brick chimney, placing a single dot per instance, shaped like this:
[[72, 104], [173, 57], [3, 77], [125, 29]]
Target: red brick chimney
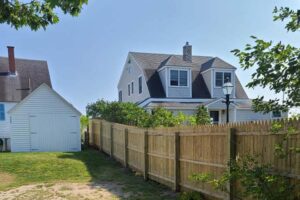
[[11, 60]]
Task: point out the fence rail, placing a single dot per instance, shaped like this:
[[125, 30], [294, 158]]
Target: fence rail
[[170, 155]]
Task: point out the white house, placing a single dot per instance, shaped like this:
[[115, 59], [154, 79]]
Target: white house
[[184, 82], [33, 117]]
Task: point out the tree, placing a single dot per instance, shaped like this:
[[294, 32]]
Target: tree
[[36, 13], [278, 65], [84, 121], [202, 116]]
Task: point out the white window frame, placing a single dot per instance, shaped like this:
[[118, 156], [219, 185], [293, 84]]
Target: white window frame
[[179, 86], [215, 77], [140, 85]]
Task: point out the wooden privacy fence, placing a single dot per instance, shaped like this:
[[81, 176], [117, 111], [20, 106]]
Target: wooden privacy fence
[[170, 155]]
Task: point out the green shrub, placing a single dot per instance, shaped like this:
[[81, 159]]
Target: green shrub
[[202, 116], [132, 114], [190, 196]]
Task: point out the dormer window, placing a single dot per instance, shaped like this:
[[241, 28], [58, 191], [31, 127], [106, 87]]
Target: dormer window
[[178, 77], [221, 78]]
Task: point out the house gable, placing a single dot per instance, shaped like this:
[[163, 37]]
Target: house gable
[[44, 100]]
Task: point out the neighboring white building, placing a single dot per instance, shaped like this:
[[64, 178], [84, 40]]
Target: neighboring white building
[[33, 117], [44, 121], [184, 82]]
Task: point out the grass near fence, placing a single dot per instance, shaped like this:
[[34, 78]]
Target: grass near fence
[[17, 169]]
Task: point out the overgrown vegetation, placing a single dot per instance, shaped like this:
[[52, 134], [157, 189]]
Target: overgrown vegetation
[[131, 114]]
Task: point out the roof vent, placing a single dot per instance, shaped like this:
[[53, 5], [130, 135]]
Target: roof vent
[[187, 52]]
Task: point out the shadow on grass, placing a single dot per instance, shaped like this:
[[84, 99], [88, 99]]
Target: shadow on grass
[[103, 169]]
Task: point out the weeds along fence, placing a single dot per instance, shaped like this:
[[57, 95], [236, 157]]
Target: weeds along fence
[[170, 155]]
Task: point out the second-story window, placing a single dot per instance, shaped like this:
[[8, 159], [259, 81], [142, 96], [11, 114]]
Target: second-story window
[[132, 89], [140, 85], [221, 78], [178, 78]]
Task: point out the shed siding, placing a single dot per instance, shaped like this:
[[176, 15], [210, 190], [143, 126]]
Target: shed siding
[[5, 125], [42, 102]]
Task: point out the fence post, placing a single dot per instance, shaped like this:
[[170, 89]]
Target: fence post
[[146, 157], [177, 161], [232, 156], [100, 136], [86, 136], [125, 148], [111, 140]]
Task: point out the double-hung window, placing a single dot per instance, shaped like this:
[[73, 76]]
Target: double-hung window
[[140, 85], [221, 78], [2, 112], [178, 77], [132, 89]]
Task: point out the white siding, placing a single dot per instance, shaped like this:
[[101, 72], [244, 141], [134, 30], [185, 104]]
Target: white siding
[[5, 125], [44, 102], [132, 72], [249, 115]]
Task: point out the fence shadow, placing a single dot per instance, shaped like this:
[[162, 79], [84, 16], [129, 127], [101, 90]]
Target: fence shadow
[[107, 174]]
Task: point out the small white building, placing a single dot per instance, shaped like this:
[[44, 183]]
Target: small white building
[[33, 117], [44, 121]]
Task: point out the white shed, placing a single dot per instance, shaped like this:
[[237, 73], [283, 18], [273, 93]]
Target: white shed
[[44, 121]]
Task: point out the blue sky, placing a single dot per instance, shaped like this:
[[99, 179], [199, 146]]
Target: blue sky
[[86, 54]]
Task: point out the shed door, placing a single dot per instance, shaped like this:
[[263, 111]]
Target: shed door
[[54, 132]]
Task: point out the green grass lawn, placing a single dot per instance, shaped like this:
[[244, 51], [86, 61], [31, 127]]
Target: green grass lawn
[[86, 166]]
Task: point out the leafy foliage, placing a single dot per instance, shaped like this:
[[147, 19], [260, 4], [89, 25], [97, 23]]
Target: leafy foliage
[[278, 65], [202, 116], [255, 178], [191, 196], [84, 121], [36, 14], [131, 114]]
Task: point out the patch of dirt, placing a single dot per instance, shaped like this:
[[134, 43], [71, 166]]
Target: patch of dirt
[[66, 191], [6, 179]]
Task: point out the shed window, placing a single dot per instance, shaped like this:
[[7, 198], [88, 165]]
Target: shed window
[[179, 78], [140, 85], [221, 78], [2, 112]]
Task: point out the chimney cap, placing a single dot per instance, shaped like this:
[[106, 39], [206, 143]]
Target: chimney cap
[[187, 44], [10, 47]]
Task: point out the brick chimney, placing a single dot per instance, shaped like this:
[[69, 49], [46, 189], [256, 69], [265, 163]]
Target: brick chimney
[[187, 52], [11, 60]]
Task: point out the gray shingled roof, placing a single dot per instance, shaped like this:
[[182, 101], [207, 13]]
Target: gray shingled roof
[[15, 88], [151, 62]]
